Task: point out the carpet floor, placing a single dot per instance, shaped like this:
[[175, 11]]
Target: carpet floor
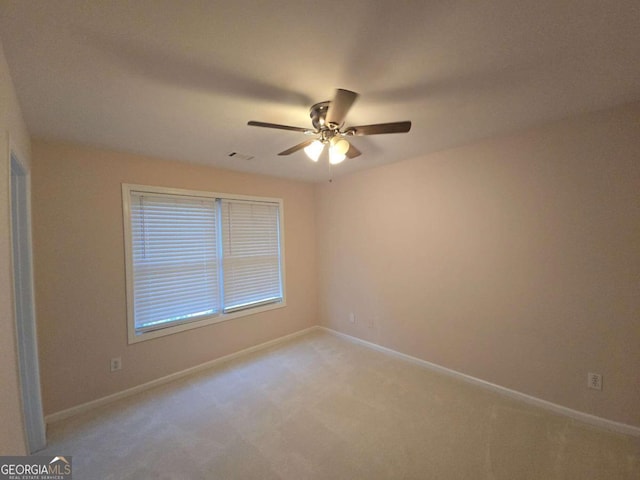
[[321, 407]]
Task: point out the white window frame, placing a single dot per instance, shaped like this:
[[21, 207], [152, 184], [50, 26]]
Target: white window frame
[[135, 337]]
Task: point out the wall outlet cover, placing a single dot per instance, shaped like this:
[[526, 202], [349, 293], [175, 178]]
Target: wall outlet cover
[[594, 381], [116, 364]]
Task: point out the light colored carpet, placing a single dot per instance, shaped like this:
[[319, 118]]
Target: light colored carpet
[[320, 407]]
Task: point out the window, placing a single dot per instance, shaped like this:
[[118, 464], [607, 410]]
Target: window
[[196, 258]]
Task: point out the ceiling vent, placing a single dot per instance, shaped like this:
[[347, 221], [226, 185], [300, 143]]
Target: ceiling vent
[[240, 156]]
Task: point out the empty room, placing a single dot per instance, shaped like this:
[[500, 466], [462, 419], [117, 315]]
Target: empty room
[[320, 240]]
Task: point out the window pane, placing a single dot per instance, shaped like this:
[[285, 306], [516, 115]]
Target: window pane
[[175, 263], [251, 254]]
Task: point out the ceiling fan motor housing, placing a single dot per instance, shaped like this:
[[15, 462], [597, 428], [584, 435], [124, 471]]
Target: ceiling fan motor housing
[[318, 114]]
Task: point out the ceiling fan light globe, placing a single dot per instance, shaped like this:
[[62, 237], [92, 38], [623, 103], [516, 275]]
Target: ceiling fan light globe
[[314, 150], [335, 157], [339, 145]]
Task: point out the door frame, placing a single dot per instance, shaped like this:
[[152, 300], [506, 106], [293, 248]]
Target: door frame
[[26, 331]]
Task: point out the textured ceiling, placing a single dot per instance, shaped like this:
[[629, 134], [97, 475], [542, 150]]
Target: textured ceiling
[[180, 79]]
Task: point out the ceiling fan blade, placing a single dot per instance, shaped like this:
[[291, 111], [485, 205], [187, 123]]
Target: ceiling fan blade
[[379, 128], [353, 152], [253, 123], [340, 106], [297, 147]]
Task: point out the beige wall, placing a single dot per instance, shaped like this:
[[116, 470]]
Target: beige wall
[[14, 136], [515, 260], [80, 275]]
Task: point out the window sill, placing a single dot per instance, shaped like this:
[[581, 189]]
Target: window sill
[[182, 327]]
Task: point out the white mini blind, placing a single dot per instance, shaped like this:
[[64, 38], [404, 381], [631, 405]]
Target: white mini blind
[[250, 254], [175, 259]]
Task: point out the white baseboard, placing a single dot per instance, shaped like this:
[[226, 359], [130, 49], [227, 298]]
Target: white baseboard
[[538, 402], [84, 407]]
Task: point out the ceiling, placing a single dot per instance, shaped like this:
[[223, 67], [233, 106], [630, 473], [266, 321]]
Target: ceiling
[[180, 79]]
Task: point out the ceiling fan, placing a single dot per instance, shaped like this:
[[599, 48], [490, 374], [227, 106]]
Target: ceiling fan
[[327, 119]]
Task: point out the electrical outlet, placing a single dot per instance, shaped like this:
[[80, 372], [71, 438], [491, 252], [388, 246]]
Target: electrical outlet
[[352, 317], [594, 380], [116, 364]]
